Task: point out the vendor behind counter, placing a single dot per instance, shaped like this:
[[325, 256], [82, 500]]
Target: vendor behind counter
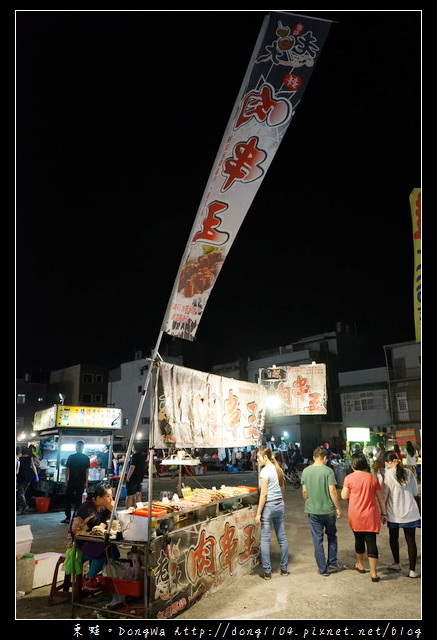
[[93, 516]]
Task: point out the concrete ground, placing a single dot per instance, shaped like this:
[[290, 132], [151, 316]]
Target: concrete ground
[[303, 595]]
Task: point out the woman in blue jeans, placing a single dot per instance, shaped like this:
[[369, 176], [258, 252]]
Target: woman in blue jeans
[[271, 510]]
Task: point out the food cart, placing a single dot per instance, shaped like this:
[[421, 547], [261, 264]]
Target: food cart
[[57, 430], [201, 539]]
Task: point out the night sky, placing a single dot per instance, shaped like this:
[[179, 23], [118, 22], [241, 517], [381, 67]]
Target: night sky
[[119, 116]]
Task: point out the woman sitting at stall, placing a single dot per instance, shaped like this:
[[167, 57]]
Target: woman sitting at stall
[[94, 512]]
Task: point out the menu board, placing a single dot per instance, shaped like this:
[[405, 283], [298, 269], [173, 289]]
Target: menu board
[[86, 417]]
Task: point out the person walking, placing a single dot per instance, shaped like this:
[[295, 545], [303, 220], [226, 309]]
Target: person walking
[[364, 493], [135, 475], [411, 456], [271, 510], [76, 479], [401, 493], [322, 505], [25, 475]]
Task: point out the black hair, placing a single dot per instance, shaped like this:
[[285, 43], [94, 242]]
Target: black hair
[[359, 462], [100, 490], [410, 448], [401, 472]]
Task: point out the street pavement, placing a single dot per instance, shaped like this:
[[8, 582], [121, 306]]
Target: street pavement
[[302, 595]]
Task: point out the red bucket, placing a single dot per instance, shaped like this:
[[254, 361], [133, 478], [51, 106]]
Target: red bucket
[[42, 505]]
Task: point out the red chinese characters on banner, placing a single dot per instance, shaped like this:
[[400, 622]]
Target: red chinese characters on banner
[[207, 407], [201, 559], [232, 413], [300, 387], [252, 429], [244, 165], [264, 107], [250, 548], [228, 546], [210, 225]]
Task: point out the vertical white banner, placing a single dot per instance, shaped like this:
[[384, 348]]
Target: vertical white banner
[[284, 57]]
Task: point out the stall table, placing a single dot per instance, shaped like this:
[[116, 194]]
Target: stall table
[[192, 553]]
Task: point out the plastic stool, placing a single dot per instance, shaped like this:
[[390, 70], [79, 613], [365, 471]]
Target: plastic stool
[[63, 591]]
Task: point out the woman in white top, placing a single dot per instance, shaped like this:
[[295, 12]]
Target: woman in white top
[[411, 456], [271, 510], [400, 489]]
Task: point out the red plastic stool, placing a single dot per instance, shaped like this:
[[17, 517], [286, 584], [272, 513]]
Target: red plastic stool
[[63, 591]]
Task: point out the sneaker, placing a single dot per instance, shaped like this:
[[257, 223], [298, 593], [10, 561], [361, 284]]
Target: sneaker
[[325, 573], [267, 576], [65, 521], [285, 573], [395, 566], [413, 574], [333, 568], [91, 585]]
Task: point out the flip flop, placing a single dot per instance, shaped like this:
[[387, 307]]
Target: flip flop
[[359, 570]]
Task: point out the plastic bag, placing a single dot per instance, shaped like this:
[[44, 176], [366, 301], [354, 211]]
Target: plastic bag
[[73, 561]]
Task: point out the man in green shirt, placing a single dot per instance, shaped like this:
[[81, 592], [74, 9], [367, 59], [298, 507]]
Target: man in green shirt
[[323, 508]]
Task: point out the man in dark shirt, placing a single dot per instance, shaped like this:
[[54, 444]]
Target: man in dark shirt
[[135, 475], [76, 479]]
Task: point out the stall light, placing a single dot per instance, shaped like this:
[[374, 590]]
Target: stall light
[[286, 434], [358, 434], [68, 447], [139, 435], [273, 402]]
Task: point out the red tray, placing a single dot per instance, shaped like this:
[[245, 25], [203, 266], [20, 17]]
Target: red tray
[[145, 512], [121, 587]]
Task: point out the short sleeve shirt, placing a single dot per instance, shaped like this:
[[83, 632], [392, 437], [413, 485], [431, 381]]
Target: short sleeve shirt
[[363, 509], [317, 480], [274, 491], [78, 463]]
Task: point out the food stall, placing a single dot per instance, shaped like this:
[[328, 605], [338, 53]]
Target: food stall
[[57, 430], [200, 539]]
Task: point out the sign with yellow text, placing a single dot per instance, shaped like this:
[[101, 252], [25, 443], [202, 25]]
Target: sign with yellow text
[[86, 417], [416, 215]]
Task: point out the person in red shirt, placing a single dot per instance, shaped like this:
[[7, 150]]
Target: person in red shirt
[[364, 493]]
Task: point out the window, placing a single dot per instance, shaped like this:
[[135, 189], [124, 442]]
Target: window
[[98, 398], [402, 405], [145, 420], [21, 398], [375, 400], [99, 378], [88, 378], [87, 398]]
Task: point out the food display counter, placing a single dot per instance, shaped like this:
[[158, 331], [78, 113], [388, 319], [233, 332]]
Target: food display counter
[[198, 545]]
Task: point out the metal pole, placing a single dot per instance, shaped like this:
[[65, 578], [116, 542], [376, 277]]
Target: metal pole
[[134, 433]]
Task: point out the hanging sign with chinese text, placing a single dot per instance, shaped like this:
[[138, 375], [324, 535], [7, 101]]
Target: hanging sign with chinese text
[[193, 409], [284, 57], [303, 392]]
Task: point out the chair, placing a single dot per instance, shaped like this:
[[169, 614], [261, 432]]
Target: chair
[[63, 591]]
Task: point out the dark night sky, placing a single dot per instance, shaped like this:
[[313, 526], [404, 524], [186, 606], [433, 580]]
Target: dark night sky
[[118, 121]]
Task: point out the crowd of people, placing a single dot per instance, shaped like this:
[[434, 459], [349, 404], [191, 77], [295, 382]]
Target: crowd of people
[[387, 493]]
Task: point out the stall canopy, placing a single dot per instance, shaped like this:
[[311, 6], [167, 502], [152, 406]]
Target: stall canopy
[[193, 407]]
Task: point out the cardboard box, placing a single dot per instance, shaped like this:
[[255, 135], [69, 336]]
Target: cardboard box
[[23, 539], [45, 564]]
